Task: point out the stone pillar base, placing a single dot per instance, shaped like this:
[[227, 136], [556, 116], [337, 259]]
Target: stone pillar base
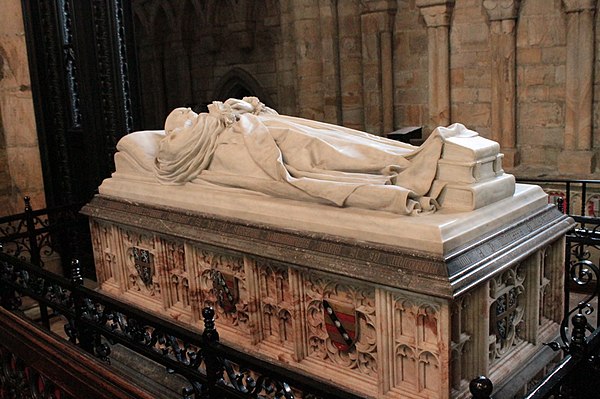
[[511, 158], [576, 162]]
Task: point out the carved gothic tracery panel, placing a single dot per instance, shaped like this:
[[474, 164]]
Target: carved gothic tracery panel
[[362, 356], [104, 255], [276, 305], [461, 336], [176, 278], [507, 295], [140, 274], [214, 274], [417, 336]]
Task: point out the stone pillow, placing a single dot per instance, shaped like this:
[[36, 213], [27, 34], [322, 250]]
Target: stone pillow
[[142, 146]]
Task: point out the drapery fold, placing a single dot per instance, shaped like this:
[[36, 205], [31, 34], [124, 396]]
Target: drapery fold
[[242, 143]]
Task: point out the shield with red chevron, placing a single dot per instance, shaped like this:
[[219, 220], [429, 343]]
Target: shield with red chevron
[[341, 324]]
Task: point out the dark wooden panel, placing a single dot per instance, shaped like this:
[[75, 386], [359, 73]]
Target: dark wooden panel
[[72, 371], [83, 78]]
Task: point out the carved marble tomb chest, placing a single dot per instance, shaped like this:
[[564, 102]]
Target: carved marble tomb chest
[[389, 306]]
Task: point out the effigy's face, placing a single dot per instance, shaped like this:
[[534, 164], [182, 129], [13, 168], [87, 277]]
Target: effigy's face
[[179, 118]]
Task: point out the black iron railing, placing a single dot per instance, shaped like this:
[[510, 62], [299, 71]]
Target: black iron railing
[[54, 234], [580, 197], [96, 322]]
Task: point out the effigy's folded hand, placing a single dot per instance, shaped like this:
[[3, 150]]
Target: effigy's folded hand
[[223, 112]]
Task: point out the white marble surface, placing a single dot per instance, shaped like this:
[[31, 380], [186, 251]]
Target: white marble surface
[[436, 234], [243, 144]]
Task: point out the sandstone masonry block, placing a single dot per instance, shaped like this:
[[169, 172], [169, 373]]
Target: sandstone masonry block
[[15, 70], [477, 77], [467, 94], [542, 136], [472, 114], [545, 114], [468, 10], [12, 21], [530, 55], [18, 119], [25, 168], [464, 59], [537, 33], [457, 77], [554, 55], [538, 74], [470, 35], [411, 96], [560, 74], [417, 43], [541, 7]]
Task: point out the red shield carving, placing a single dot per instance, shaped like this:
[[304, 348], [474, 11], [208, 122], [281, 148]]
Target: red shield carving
[[341, 325], [227, 291]]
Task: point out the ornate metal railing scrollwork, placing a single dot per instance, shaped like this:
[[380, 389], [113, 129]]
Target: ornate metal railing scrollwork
[[576, 376], [96, 322], [581, 273], [220, 370], [582, 276], [38, 235]]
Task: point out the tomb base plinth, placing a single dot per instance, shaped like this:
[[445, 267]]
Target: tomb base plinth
[[383, 305]]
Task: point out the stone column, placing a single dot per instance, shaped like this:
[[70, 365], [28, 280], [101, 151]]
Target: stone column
[[332, 104], [377, 20], [309, 58], [503, 15], [286, 62], [437, 15], [577, 157], [350, 55]]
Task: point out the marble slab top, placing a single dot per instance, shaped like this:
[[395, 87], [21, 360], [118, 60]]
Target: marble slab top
[[435, 234]]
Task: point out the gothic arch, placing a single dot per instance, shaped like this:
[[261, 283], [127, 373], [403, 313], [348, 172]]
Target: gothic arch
[[238, 82]]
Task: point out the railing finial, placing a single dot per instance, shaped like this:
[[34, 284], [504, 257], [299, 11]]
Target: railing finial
[[27, 201], [578, 346], [560, 204], [76, 275], [210, 332], [481, 387]]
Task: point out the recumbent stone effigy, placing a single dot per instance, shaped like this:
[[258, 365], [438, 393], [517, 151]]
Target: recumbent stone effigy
[[392, 270]]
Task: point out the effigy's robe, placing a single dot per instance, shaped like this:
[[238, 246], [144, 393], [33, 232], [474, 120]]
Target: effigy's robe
[[268, 231], [296, 158]]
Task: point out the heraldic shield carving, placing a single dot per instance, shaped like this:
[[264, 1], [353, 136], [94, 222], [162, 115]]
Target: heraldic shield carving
[[504, 315], [341, 324], [226, 289], [144, 265]]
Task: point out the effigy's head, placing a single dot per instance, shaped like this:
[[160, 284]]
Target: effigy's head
[[179, 118]]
